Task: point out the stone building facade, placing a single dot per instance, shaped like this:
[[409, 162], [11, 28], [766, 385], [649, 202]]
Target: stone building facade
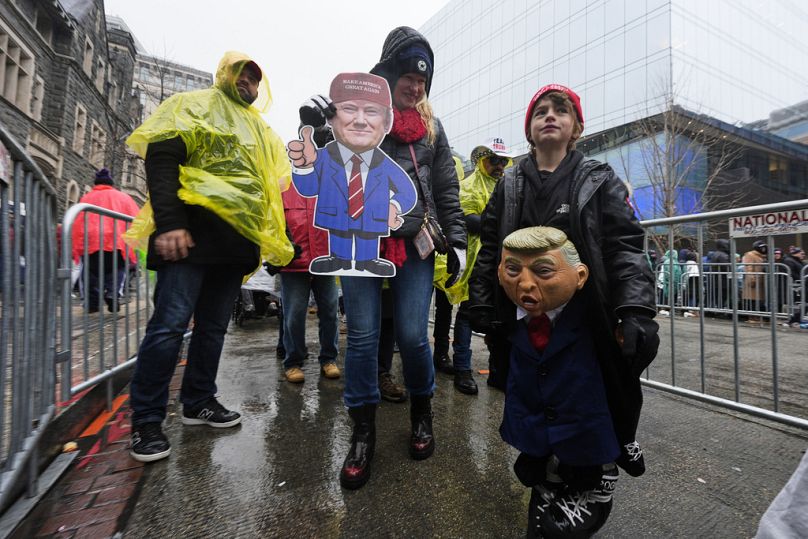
[[67, 90]]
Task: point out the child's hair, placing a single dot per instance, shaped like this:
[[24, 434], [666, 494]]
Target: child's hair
[[561, 99]]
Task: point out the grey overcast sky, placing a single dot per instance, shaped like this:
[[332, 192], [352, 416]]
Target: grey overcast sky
[[300, 44]]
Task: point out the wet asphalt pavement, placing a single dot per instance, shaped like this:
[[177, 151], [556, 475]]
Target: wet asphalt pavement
[[711, 472]]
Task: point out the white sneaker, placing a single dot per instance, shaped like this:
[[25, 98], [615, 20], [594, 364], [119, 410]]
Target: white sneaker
[[688, 314], [663, 312]]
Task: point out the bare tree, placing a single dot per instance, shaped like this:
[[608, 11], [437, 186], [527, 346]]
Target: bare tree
[[686, 161]]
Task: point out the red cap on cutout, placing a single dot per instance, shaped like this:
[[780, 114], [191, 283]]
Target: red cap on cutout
[[349, 86]]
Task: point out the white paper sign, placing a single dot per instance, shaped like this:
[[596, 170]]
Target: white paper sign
[[769, 224]]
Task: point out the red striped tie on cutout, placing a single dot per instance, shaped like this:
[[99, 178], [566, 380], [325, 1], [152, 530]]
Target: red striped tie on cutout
[[356, 199]]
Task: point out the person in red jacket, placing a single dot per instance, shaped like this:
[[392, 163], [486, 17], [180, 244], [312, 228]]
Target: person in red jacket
[[296, 286], [107, 253]]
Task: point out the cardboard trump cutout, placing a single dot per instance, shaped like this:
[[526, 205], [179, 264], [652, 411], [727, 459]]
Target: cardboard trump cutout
[[361, 193]]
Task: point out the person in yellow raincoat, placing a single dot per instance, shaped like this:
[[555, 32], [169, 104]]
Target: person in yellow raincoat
[[490, 159], [214, 170]]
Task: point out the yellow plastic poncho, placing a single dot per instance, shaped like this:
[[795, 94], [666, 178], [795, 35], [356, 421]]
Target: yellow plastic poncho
[[475, 191], [236, 166]]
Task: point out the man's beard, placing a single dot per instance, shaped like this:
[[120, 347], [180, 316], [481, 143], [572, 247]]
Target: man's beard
[[245, 95]]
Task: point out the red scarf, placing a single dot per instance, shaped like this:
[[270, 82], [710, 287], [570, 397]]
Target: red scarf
[[408, 126]]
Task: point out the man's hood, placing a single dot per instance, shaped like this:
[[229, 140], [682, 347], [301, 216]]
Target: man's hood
[[397, 40], [230, 67]]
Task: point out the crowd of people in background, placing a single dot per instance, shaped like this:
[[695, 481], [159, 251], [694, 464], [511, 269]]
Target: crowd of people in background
[[687, 281]]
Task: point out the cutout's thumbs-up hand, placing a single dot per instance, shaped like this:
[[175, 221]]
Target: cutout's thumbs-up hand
[[302, 153]]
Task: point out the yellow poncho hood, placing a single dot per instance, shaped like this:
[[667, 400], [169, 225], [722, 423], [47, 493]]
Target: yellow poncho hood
[[236, 165], [475, 191]]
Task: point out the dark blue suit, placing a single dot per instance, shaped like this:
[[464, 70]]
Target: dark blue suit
[[556, 400], [328, 182]]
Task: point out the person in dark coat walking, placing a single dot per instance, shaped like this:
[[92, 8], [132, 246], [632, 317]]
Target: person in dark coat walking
[[795, 261]]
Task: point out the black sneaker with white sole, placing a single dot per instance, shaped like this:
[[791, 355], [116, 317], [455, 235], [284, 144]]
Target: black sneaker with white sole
[[149, 443], [211, 413]]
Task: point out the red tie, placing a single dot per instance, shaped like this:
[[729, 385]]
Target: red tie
[[538, 329], [356, 200]]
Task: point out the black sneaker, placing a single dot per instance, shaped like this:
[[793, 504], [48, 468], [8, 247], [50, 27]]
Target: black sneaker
[[631, 459], [211, 413], [149, 443], [571, 513]]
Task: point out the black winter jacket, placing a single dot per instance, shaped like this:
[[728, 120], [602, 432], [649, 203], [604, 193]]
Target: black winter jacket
[[603, 228], [794, 267], [437, 171], [609, 240], [720, 255], [216, 242]]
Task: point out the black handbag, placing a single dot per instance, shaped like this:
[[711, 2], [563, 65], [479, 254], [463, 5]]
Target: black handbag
[[430, 225]]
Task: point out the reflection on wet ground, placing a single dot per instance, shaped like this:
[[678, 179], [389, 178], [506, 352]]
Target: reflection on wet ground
[[276, 474]]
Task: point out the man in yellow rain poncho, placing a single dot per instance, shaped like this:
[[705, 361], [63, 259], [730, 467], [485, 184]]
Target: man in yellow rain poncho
[[214, 170], [490, 159]]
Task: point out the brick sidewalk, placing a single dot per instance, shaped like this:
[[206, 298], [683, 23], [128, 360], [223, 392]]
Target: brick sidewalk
[[95, 497]]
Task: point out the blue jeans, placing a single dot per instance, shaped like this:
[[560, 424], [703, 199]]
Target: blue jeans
[[205, 291], [295, 289], [412, 292], [461, 359]]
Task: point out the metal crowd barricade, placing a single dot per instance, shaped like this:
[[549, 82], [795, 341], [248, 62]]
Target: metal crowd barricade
[[27, 330], [733, 358], [803, 288], [105, 340], [715, 290]]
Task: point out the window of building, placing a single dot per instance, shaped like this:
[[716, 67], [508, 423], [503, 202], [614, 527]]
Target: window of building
[[87, 65], [16, 70], [100, 75], [98, 145], [73, 194], [798, 176], [778, 170], [113, 93], [144, 73], [80, 129], [179, 82], [44, 26], [126, 177], [36, 98]]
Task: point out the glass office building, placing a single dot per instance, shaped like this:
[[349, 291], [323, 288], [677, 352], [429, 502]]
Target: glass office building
[[733, 60]]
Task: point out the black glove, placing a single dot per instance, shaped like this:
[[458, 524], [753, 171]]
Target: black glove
[[316, 110], [273, 270], [483, 319], [640, 340], [455, 264], [298, 251]]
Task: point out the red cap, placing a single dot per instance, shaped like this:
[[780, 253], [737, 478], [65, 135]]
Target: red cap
[[349, 86], [257, 70], [576, 102]]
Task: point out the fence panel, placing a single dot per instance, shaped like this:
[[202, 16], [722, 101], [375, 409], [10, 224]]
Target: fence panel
[[725, 327], [105, 300], [27, 301]]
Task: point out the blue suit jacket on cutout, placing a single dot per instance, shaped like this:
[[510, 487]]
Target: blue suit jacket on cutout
[[328, 182]]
